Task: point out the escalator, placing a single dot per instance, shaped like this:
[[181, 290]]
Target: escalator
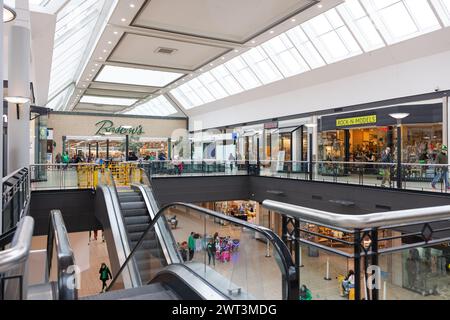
[[136, 219], [147, 260]]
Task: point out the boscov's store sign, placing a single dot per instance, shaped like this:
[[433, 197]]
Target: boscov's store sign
[[106, 127]]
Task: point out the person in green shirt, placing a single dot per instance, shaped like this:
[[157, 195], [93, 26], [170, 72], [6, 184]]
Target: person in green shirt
[[305, 293], [191, 246], [105, 275]]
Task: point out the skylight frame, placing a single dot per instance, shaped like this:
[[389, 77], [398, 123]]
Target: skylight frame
[[157, 107]]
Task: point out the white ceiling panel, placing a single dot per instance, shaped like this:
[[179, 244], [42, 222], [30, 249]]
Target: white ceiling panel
[[116, 93], [140, 49], [231, 20]]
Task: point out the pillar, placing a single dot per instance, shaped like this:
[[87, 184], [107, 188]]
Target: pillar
[[445, 121], [315, 134], [1, 112], [19, 57]]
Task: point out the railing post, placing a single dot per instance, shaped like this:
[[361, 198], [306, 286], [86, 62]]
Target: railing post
[[374, 260], [357, 263]]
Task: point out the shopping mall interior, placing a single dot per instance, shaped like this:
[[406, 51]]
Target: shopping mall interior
[[225, 150]]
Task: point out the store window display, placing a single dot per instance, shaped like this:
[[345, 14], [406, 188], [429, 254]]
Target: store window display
[[426, 270]]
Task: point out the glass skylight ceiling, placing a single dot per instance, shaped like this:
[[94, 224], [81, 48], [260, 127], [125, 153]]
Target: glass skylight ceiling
[[142, 77], [74, 25], [111, 101], [350, 29], [159, 106]]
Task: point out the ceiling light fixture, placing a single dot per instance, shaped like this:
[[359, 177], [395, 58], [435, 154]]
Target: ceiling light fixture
[[319, 6], [123, 19], [109, 42], [253, 41], [8, 14], [135, 76], [271, 31], [132, 5], [293, 20], [236, 50], [115, 32]]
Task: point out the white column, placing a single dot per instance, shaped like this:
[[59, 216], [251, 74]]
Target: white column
[[315, 138], [1, 113], [445, 121], [19, 82]]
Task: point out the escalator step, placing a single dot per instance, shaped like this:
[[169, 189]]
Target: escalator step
[[147, 244], [136, 220], [133, 205], [131, 195], [134, 212], [135, 228]]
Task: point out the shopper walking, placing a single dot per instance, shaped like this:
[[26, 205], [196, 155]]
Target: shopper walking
[[442, 170], [65, 160], [211, 249], [58, 158], [105, 275], [386, 159], [191, 246]]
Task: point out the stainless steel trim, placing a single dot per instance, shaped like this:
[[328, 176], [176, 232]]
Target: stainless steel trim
[[20, 247], [65, 257], [373, 220], [194, 281]]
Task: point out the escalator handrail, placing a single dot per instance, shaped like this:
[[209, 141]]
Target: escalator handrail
[[171, 257], [67, 290], [20, 246], [286, 258]]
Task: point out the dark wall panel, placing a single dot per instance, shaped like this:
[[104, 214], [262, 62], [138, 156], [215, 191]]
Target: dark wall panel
[[339, 198], [77, 208], [199, 189]]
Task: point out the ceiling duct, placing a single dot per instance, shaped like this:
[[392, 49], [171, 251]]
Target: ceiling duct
[[163, 50]]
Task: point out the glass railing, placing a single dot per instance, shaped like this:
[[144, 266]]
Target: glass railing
[[16, 198], [411, 176], [240, 260], [397, 255], [81, 175]]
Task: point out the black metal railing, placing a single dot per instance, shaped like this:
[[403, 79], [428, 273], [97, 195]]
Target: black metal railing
[[16, 198], [397, 248]]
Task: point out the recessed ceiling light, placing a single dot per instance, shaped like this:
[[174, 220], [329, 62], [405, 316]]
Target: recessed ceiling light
[[271, 31], [223, 58], [236, 50], [211, 64], [293, 20], [123, 19], [104, 50], [87, 79], [96, 64], [93, 70], [115, 32], [90, 75], [100, 58], [253, 41], [132, 5], [319, 6], [201, 69], [109, 42]]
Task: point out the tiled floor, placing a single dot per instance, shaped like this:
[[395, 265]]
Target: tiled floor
[[89, 255]]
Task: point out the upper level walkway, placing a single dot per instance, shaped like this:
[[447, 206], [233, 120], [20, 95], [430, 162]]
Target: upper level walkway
[[416, 177]]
